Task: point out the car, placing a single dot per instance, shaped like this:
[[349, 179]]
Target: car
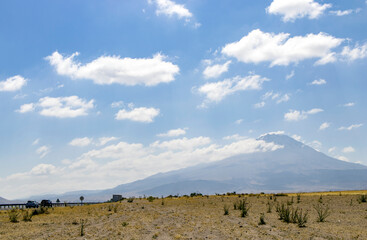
[[46, 203], [32, 204]]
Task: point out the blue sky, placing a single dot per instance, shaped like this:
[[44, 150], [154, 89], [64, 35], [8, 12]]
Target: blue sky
[[98, 93]]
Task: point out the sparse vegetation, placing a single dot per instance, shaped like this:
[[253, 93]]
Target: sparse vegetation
[[262, 219], [130, 199], [322, 212], [197, 217], [27, 216], [226, 210], [150, 198], [362, 198], [13, 215]]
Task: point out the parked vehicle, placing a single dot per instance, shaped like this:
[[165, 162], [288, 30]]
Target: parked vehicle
[[32, 204], [46, 203]]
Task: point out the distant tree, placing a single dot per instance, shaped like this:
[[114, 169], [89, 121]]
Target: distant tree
[[81, 199], [58, 200]]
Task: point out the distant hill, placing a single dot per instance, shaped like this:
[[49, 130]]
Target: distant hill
[[294, 168], [5, 201]]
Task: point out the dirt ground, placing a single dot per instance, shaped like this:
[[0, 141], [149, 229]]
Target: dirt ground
[[196, 218]]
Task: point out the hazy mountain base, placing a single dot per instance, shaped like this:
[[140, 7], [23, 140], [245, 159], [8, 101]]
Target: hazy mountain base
[[294, 168]]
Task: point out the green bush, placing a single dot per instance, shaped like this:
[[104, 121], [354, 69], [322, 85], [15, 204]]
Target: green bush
[[27, 216], [362, 198], [13, 215], [226, 210], [262, 219], [150, 198]]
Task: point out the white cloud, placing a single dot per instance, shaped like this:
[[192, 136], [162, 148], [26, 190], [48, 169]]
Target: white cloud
[[276, 97], [236, 137], [43, 151], [216, 70], [280, 49], [318, 82], [170, 8], [289, 76], [284, 98], [358, 52], [316, 145], [342, 158], [125, 162], [324, 125], [293, 9], [332, 149], [107, 70], [117, 104], [297, 137], [350, 104], [295, 115], [259, 104], [173, 133], [348, 149], [141, 114], [35, 142], [60, 107], [353, 126], [29, 107], [81, 142], [104, 140], [12, 84], [340, 13], [43, 169], [238, 121], [217, 91]]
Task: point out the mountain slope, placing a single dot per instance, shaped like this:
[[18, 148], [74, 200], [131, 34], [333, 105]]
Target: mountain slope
[[295, 167]]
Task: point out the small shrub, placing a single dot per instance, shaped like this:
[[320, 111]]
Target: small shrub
[[322, 212], [13, 215], [27, 216], [110, 208], [284, 212], [320, 199], [74, 222], [281, 195], [226, 210], [262, 219], [244, 207], [82, 222], [115, 207], [270, 206], [130, 199], [124, 224], [302, 219], [150, 199], [298, 198], [362, 198]]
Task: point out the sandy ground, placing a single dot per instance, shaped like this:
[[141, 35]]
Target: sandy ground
[[194, 218]]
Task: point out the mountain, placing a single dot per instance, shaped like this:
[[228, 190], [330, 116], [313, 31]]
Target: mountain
[[295, 167], [5, 201]]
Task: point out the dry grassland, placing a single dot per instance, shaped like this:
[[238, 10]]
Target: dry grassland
[[196, 218]]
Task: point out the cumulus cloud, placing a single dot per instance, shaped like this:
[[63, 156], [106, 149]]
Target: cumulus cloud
[[318, 82], [29, 107], [324, 125], [216, 70], [125, 162], [107, 70], [12, 84], [289, 76], [353, 126], [293, 9], [80, 142], [236, 137], [170, 8], [348, 149], [217, 91], [352, 54], [60, 107], [295, 115], [281, 49], [340, 13], [117, 104], [332, 149], [43, 151], [104, 140], [141, 114], [173, 133]]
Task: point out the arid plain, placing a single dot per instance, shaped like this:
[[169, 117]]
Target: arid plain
[[199, 217]]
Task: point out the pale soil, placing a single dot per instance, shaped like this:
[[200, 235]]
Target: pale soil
[[194, 218]]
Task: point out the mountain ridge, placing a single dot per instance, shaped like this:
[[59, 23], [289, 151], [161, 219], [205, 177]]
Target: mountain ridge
[[295, 167]]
